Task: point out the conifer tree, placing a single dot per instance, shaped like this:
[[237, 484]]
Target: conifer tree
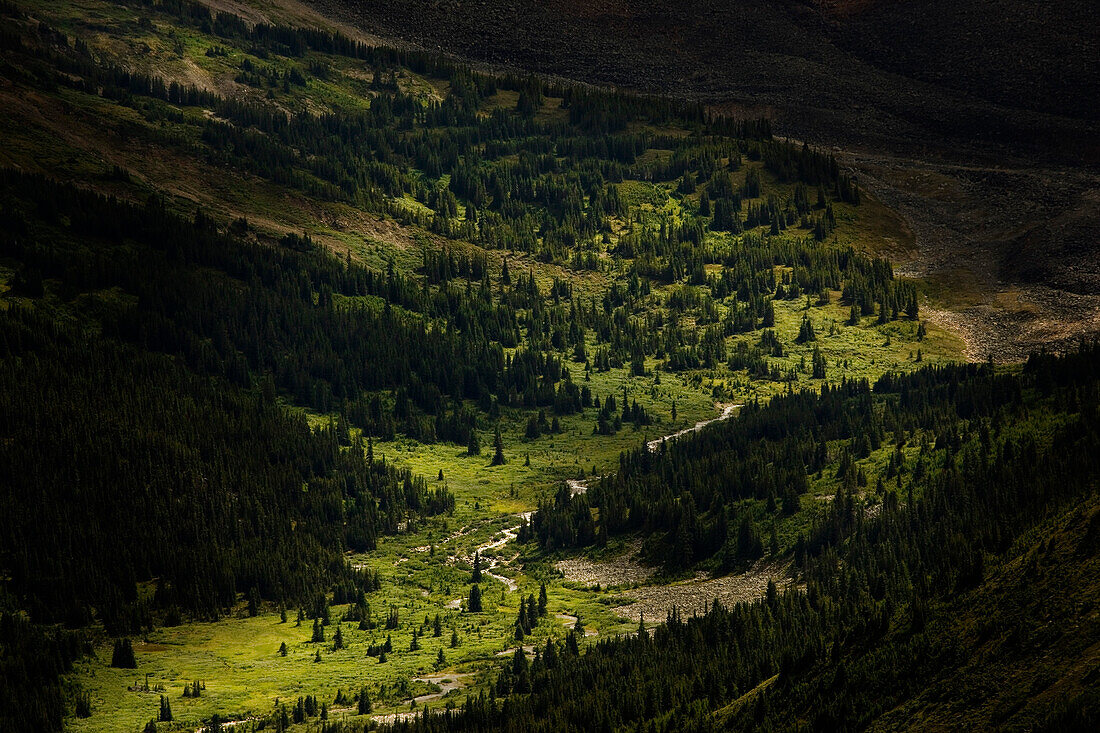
[[498, 445], [475, 576], [123, 655], [474, 603]]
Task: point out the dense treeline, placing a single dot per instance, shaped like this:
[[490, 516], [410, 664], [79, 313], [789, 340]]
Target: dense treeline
[[234, 308], [33, 658], [138, 469], [858, 641], [692, 495], [163, 379]]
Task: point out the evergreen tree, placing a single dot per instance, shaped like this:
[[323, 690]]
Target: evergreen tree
[[498, 446], [123, 655], [818, 364], [474, 603]]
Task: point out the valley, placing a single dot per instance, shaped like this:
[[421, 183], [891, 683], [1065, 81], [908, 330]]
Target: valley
[[356, 386]]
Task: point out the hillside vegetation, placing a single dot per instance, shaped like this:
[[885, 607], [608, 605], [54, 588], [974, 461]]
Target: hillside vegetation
[[302, 338]]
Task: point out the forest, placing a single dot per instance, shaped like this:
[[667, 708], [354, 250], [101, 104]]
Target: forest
[[363, 387]]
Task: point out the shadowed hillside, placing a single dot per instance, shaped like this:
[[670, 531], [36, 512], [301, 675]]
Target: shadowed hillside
[[853, 71]]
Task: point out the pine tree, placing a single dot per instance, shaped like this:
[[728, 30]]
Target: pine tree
[[84, 705], [474, 603], [338, 639], [532, 612], [363, 704], [498, 445], [806, 331], [818, 364], [123, 655], [282, 649], [475, 576], [165, 714], [318, 632]]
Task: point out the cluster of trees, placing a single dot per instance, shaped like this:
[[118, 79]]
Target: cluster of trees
[[697, 499], [530, 611], [33, 659]]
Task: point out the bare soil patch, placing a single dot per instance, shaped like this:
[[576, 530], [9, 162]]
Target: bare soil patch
[[656, 602]]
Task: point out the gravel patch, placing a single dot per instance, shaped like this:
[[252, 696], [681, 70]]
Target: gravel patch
[[656, 602]]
